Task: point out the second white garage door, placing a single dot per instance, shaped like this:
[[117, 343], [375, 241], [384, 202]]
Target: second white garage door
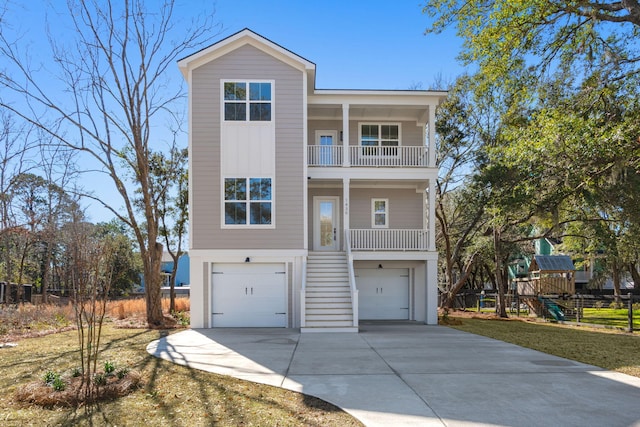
[[249, 295], [383, 294]]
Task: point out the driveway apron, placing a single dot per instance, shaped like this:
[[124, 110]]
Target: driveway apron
[[415, 375]]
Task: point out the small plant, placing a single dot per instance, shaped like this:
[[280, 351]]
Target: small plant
[[109, 367], [50, 377], [616, 305], [58, 384], [76, 372], [182, 318], [122, 373], [100, 379]]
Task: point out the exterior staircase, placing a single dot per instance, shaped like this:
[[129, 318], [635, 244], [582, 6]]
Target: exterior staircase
[[328, 305]]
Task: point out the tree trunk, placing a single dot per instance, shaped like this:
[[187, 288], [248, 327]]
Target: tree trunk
[[153, 283], [635, 275], [500, 301], [616, 282], [451, 293]]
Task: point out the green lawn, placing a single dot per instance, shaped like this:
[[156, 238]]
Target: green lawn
[[611, 317], [608, 349], [172, 395]]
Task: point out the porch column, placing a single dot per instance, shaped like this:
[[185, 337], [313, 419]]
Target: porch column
[[346, 162], [346, 182], [432, 136], [431, 215]]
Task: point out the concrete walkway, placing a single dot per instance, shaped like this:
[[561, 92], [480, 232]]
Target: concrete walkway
[[416, 375]]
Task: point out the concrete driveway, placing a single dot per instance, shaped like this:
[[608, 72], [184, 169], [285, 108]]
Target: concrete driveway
[[416, 375]]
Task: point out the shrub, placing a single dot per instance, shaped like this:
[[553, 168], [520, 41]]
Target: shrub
[[58, 384], [100, 379], [109, 367], [50, 376], [122, 372]]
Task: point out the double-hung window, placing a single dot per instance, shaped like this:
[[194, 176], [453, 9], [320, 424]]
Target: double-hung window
[[379, 213], [248, 201], [379, 139], [247, 101]]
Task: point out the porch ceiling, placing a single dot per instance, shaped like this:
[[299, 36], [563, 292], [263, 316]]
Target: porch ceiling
[[419, 185], [418, 113]]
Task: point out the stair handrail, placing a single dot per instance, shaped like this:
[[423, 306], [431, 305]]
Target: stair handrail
[[352, 277], [303, 294]]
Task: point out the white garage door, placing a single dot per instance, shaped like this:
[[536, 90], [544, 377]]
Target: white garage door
[[383, 293], [249, 295]]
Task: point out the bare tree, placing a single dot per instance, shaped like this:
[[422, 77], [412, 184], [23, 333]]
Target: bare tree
[[115, 100]]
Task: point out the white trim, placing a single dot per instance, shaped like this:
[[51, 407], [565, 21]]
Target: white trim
[[238, 40], [255, 255], [305, 165], [379, 124], [321, 133], [373, 212]]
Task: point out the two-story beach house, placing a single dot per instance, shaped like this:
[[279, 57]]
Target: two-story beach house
[[309, 208]]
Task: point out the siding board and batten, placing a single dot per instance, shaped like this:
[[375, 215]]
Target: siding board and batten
[[247, 63]]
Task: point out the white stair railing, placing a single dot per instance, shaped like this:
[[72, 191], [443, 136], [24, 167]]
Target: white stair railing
[[303, 295], [352, 279]]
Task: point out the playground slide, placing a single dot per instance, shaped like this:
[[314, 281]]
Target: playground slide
[[552, 308]]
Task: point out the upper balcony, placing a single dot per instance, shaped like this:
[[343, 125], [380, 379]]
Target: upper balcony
[[363, 156]]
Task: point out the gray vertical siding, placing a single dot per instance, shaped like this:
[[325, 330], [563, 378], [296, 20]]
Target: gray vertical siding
[[248, 63]]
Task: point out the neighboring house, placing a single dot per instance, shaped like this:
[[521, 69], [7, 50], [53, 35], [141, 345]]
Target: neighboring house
[[309, 208], [182, 274], [166, 268]]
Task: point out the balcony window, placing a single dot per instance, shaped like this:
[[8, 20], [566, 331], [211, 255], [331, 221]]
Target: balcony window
[[379, 139]]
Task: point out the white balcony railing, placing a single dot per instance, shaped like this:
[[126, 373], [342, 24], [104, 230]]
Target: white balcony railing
[[324, 155], [409, 156], [388, 240], [359, 156]]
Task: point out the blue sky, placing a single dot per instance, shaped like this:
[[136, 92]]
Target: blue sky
[[355, 45]]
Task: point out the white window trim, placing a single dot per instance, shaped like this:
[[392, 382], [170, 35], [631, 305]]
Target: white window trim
[[360, 124], [224, 225], [373, 213], [247, 101]]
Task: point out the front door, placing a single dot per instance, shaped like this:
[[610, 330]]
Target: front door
[[326, 227]]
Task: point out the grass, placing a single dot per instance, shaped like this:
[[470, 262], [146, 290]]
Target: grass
[[171, 395], [612, 350], [614, 317]]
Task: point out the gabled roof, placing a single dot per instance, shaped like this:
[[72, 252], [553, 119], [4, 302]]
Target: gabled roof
[[551, 263], [240, 39]]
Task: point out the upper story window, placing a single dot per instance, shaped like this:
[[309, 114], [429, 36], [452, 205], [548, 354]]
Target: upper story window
[[247, 201], [379, 213], [380, 139], [247, 101]]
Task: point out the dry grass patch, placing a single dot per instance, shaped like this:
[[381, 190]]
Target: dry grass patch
[[169, 395], [607, 349], [137, 308]]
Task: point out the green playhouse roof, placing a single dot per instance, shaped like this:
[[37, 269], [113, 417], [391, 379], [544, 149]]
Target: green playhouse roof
[[552, 263]]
